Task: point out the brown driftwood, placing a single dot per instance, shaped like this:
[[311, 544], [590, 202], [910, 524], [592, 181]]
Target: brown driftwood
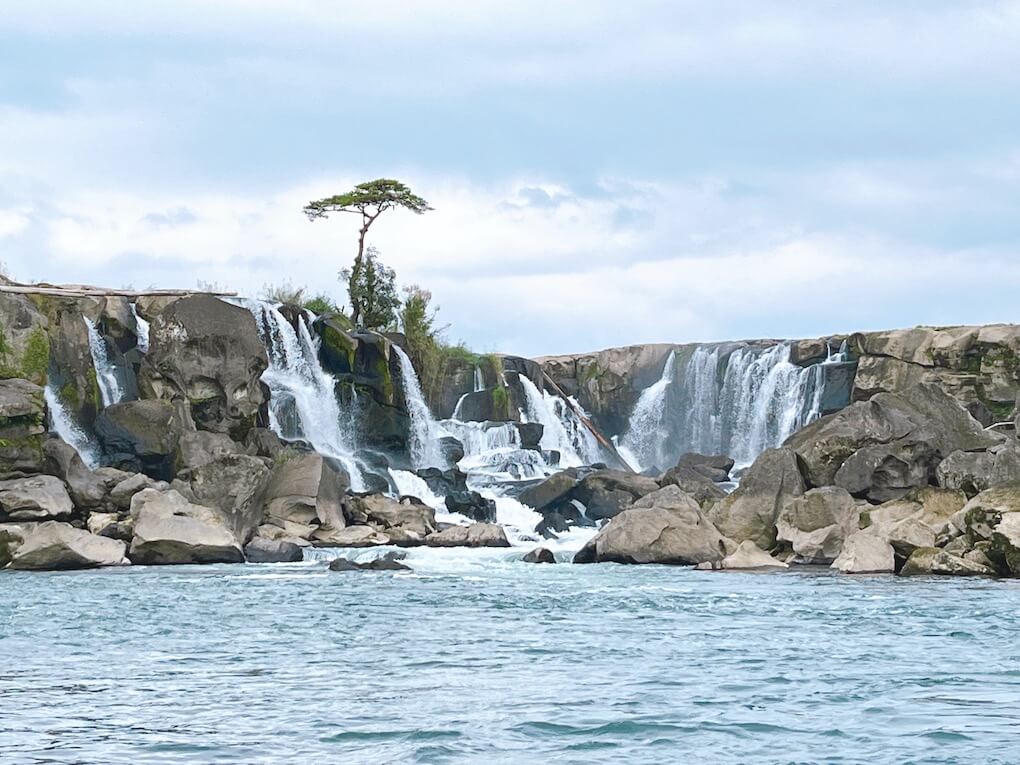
[[579, 413]]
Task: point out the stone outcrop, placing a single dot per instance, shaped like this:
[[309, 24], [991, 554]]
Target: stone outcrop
[[262, 550], [751, 511], [882, 448], [231, 484], [933, 561], [815, 525], [865, 552], [539, 555], [206, 356], [302, 496], [474, 535], [169, 529], [22, 428], [747, 556], [52, 546], [666, 526], [38, 498], [141, 436]]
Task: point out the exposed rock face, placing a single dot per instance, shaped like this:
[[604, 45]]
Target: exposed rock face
[[352, 536], [22, 428], [605, 493], [865, 552], [974, 472], [52, 546], [231, 484], [714, 467], [169, 529], [666, 526], [931, 560], [475, 535], [693, 482], [89, 490], [881, 448], [750, 512], [39, 498], [303, 495], [746, 557], [200, 447], [552, 490], [262, 550], [141, 436], [206, 355], [24, 342], [971, 364], [816, 525], [406, 522]]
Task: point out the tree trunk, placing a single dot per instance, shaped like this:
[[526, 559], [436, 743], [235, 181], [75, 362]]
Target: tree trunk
[[356, 272]]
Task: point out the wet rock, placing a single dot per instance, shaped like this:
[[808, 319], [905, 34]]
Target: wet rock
[[816, 524], [864, 552], [451, 449], [379, 564], [169, 529], [39, 498], [206, 355], [89, 490], [539, 555], [52, 546], [351, 536], [475, 535], [750, 512], [387, 513], [931, 560], [141, 437], [605, 493], [746, 557], [473, 505], [550, 491], [261, 550], [666, 526], [530, 434], [443, 482]]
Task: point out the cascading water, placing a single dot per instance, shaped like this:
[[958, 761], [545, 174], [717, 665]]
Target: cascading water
[[479, 385], [561, 431], [143, 330], [110, 387], [423, 439], [64, 426], [642, 445], [738, 404], [303, 402]]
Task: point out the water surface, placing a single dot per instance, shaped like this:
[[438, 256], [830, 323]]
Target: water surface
[[476, 657]]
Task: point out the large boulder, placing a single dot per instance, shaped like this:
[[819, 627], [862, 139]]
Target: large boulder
[[22, 428], [89, 489], [24, 339], [39, 498], [303, 495], [881, 448], [750, 512], [141, 436], [605, 493], [933, 561], [552, 490], [233, 485], [865, 552], [407, 521], [475, 535], [666, 526], [693, 482], [350, 536], [262, 550], [200, 447], [715, 467], [973, 472], [169, 529], [207, 356], [473, 505], [53, 546], [539, 555], [815, 525]]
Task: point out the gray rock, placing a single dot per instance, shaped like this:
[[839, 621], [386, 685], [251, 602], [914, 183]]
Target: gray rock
[[475, 535], [233, 484], [141, 436], [198, 448], [473, 505], [693, 482], [303, 495], [261, 550], [207, 355], [715, 467], [53, 546], [351, 536], [539, 555], [864, 552], [388, 513], [746, 557], [89, 490], [605, 493], [38, 498], [750, 512], [169, 529], [974, 472], [816, 525], [122, 492], [666, 526], [931, 560], [379, 564], [552, 490], [22, 428]]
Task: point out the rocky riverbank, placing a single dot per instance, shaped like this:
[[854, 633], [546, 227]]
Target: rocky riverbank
[[193, 429]]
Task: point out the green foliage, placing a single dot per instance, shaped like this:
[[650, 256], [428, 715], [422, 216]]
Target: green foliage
[[34, 362], [284, 292], [373, 292], [320, 304], [370, 199], [500, 399]]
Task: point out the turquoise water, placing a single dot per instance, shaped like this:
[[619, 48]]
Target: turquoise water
[[477, 658]]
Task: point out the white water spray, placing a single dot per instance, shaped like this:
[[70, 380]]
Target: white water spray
[[106, 374], [423, 438], [64, 426], [142, 330], [642, 444]]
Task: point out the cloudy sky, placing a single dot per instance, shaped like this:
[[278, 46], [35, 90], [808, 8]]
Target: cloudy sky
[[603, 173]]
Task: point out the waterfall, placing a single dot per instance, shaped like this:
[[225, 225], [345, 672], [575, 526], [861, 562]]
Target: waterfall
[[64, 426], [738, 404], [142, 332], [423, 438], [303, 402], [642, 444], [562, 431], [106, 374], [479, 385]]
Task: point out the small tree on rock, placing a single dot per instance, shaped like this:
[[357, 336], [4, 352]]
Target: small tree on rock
[[369, 200], [373, 289]]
